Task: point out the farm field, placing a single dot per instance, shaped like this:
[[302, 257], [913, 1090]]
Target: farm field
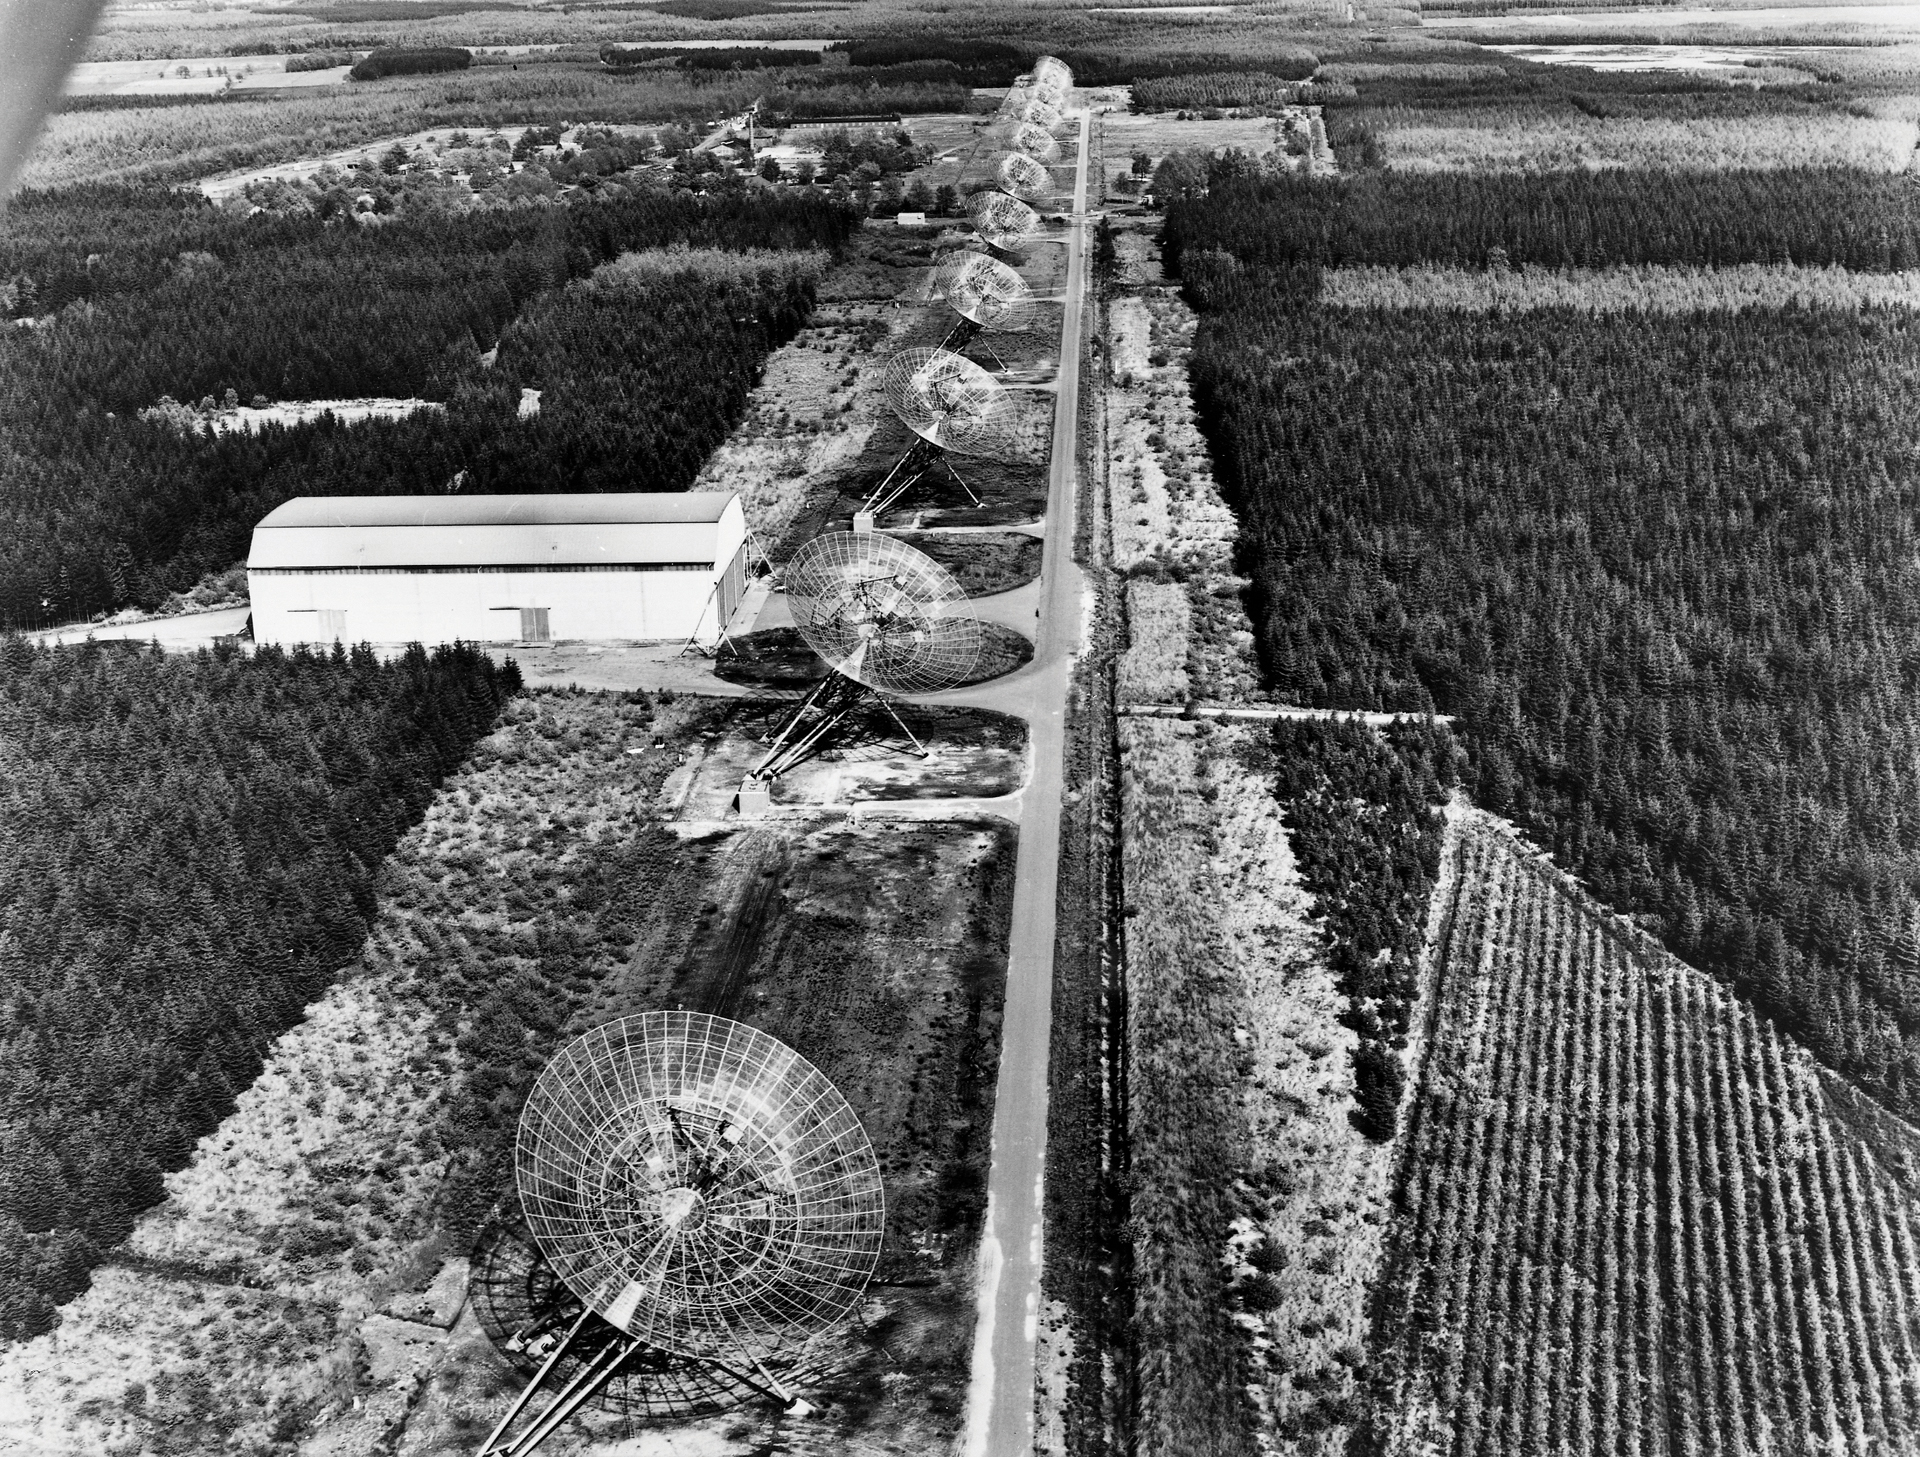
[[299, 1289], [1630, 1218]]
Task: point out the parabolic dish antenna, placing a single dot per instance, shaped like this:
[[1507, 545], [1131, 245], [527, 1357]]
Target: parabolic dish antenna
[[705, 1199], [699, 1185], [882, 613], [952, 404], [1052, 71], [1036, 141], [1029, 109], [1021, 175], [885, 619], [1004, 222], [985, 291], [1046, 91], [948, 400]]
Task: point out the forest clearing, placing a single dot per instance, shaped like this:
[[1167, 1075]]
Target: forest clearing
[[1172, 534], [817, 436], [297, 1288], [1258, 1206], [1645, 288]]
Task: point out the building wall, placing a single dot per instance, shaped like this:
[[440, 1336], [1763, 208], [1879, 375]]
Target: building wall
[[291, 607]]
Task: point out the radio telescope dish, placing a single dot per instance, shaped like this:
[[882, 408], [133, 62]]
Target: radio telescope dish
[[699, 1185], [882, 613], [984, 291], [1029, 109], [1021, 175], [1052, 71], [952, 404], [1047, 92], [1004, 222], [885, 619], [1036, 141], [947, 400], [706, 1198]]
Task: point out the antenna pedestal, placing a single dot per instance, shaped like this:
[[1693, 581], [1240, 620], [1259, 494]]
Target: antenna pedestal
[[755, 798], [821, 714], [921, 457]]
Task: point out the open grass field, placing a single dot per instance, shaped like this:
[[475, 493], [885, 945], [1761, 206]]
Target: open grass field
[[298, 1290], [1507, 139], [1630, 1217]]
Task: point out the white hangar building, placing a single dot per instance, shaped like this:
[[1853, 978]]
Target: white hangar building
[[433, 569]]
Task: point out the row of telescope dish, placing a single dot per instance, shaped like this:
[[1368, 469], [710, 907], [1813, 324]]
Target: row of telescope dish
[[700, 1203], [952, 404]]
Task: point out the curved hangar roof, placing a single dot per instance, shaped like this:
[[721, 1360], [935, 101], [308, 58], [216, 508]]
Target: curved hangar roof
[[610, 529]]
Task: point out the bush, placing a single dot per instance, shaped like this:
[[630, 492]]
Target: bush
[[1214, 88], [1361, 808], [405, 61], [318, 61], [747, 58]]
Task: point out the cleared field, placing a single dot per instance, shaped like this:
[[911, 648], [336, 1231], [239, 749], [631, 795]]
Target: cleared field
[[1507, 140], [1675, 289], [1633, 1218], [299, 1289], [1173, 533], [1257, 1208], [1158, 133]]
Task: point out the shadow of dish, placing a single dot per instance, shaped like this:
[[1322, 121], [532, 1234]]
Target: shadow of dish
[[777, 658]]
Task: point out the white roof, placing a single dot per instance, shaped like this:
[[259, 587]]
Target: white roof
[[599, 529]]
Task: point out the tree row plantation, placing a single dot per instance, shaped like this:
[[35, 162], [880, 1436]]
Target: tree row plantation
[[642, 371], [1867, 221], [1633, 1219], [187, 853]]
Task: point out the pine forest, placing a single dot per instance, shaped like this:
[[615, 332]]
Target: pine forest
[[106, 504], [188, 855]]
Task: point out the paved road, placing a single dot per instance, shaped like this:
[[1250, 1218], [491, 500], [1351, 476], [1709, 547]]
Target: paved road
[[1000, 1398]]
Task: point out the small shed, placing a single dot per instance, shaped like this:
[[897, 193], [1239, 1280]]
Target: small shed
[[612, 567]]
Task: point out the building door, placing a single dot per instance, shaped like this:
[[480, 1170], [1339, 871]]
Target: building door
[[306, 624], [530, 622]]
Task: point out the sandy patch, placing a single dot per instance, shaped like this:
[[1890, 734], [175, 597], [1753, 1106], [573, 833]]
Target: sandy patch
[[1170, 526]]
